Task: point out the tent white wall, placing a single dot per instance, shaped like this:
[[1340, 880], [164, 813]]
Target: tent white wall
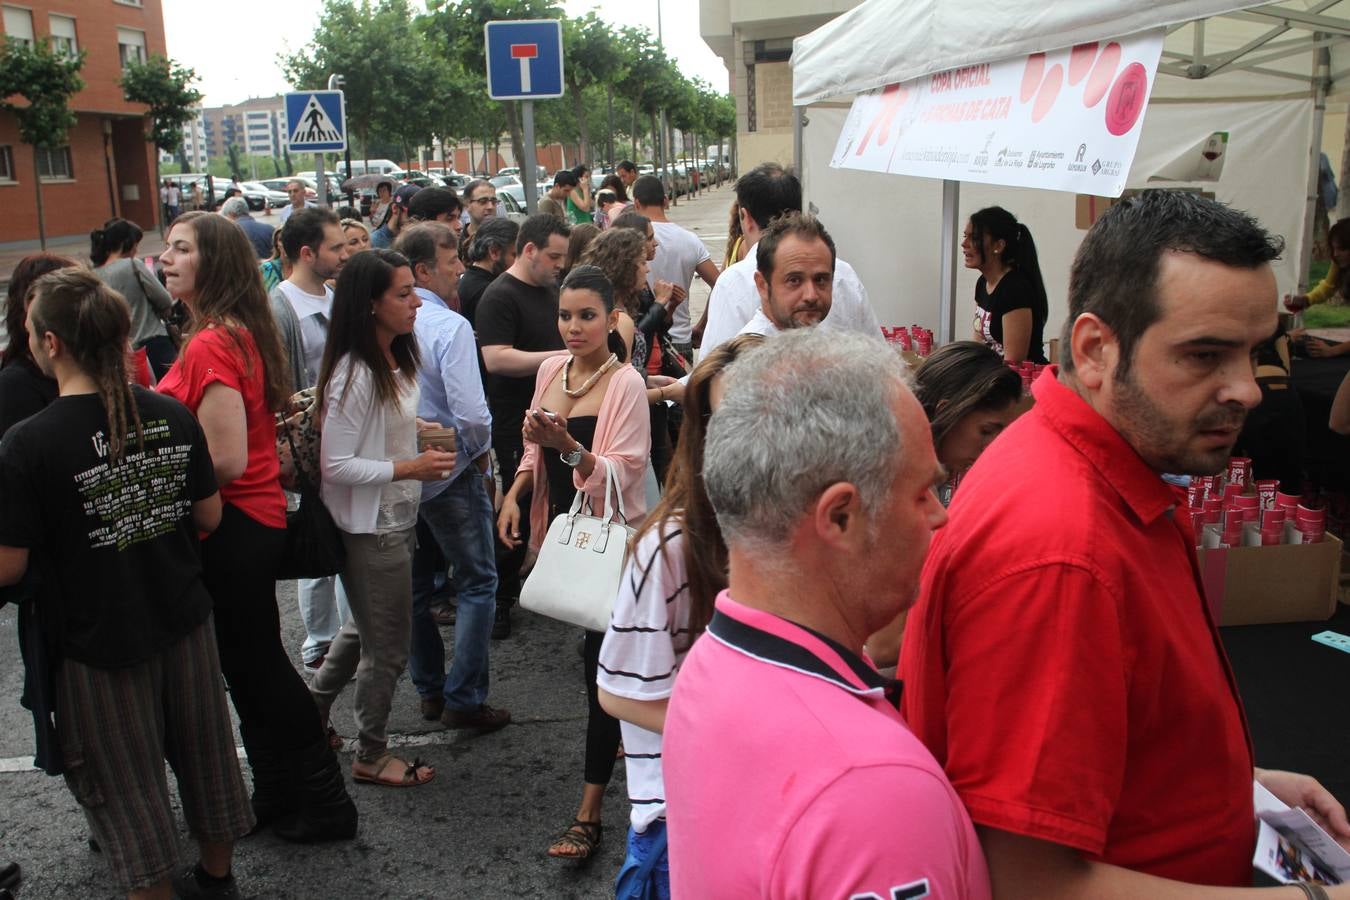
[[1262, 91]]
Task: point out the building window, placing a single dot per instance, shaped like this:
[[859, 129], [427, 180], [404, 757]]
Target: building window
[[128, 2], [6, 164], [130, 46], [53, 163], [63, 35], [19, 25]]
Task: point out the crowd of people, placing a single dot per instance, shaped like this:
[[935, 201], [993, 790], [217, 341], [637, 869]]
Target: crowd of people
[[809, 515]]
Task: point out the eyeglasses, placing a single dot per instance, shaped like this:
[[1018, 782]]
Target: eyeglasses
[[485, 200]]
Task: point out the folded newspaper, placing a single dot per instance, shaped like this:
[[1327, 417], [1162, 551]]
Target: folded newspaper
[[1291, 847]]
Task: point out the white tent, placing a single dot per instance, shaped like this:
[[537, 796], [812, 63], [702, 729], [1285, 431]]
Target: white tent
[[1260, 72]]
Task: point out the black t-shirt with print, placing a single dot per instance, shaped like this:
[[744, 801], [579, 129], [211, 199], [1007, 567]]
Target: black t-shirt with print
[[514, 314], [115, 546], [1014, 290]]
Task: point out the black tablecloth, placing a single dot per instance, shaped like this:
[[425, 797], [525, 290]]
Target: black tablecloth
[[1297, 695]]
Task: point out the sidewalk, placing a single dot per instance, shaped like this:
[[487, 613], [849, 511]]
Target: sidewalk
[[151, 245]]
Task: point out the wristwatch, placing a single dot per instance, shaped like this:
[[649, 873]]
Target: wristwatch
[[573, 457]]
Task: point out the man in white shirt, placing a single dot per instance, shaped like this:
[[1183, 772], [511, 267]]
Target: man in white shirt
[[313, 241], [679, 256], [455, 513], [795, 278], [764, 193]]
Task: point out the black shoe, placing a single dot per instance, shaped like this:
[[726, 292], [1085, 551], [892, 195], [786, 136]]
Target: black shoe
[[432, 707], [10, 874], [485, 718], [501, 622], [326, 811], [194, 884]]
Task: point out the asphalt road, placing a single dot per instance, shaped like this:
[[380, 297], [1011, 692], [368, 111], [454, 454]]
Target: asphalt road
[[478, 831]]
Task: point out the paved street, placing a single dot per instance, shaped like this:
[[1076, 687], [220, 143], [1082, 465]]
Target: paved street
[[478, 831]]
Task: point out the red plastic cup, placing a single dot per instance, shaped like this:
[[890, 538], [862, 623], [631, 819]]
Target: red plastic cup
[[1266, 489], [1272, 518], [1239, 470], [1306, 516], [1232, 518], [1272, 535], [1286, 500], [1232, 537], [1247, 501], [1195, 495]]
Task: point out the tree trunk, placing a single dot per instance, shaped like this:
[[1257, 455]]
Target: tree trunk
[[1343, 182], [37, 185], [513, 125], [634, 133], [583, 132], [609, 141]]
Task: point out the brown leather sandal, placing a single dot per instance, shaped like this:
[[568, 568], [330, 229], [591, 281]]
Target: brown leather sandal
[[579, 841], [412, 773]]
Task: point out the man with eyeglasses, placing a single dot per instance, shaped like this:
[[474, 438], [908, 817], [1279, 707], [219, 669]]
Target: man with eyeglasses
[[295, 189], [480, 202]]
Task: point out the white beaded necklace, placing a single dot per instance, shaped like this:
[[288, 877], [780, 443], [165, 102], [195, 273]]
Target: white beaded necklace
[[589, 382]]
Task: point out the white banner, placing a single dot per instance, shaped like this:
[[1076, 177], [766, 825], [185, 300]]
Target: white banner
[[1067, 120]]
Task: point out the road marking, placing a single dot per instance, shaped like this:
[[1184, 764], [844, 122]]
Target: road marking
[[24, 764]]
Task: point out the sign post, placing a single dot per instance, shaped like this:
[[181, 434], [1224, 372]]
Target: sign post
[[525, 62], [317, 123]]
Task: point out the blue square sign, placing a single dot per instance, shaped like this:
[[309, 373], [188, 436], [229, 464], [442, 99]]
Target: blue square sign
[[316, 121], [524, 59]]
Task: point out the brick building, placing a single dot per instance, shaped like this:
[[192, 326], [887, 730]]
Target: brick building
[[107, 166]]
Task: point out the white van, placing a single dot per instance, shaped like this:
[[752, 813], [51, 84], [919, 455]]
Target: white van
[[370, 166]]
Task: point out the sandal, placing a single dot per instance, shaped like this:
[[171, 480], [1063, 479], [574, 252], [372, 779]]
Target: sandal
[[334, 739], [579, 841], [411, 773]]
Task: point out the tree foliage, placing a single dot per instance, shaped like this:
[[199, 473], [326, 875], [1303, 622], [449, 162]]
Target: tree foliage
[[165, 87], [46, 81]]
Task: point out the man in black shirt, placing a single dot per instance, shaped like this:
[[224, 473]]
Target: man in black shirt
[[517, 326], [491, 252], [105, 492]]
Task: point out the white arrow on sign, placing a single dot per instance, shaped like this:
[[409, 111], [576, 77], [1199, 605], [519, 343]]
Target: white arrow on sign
[[524, 53]]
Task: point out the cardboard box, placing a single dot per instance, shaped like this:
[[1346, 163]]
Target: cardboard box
[[1267, 585]]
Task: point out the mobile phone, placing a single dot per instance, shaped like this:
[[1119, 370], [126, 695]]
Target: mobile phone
[[545, 412]]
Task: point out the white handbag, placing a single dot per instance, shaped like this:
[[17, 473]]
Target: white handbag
[[581, 560]]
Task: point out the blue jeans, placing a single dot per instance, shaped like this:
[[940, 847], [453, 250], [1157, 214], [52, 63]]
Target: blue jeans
[[460, 521], [646, 870]]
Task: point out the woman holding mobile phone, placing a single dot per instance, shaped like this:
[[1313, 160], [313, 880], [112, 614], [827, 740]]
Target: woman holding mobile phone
[[589, 415]]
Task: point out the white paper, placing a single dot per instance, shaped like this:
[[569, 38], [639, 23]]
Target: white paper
[[1290, 842]]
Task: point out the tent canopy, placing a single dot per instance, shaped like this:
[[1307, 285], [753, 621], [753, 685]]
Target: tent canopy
[[1266, 48]]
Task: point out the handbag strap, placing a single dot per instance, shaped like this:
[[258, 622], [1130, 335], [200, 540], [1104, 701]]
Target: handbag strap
[[611, 493]]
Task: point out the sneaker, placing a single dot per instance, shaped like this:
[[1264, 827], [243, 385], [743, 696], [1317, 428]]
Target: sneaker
[[501, 622], [485, 718], [317, 663], [432, 707], [188, 886]]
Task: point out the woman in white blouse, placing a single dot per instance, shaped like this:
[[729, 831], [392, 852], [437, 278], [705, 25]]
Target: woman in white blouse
[[371, 472]]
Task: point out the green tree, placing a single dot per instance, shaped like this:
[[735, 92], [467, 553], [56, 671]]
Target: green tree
[[46, 80], [236, 166], [592, 58], [459, 25], [386, 62], [171, 101]]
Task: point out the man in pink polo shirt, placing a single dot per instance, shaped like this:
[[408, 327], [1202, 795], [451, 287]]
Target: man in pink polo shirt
[[788, 770]]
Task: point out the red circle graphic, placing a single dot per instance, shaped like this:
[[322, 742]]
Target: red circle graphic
[[1045, 100], [1128, 96]]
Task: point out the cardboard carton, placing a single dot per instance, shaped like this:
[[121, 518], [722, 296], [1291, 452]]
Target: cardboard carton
[[1267, 585]]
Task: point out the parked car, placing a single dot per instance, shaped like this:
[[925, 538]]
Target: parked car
[[455, 181], [279, 184], [272, 199], [510, 209], [509, 185]]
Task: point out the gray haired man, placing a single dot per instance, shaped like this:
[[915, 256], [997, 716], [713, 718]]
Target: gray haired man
[[258, 234], [821, 468]]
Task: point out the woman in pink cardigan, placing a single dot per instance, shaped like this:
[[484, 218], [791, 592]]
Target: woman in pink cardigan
[[589, 414]]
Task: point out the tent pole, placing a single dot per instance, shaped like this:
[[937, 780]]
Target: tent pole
[[798, 121], [951, 223], [1321, 76]]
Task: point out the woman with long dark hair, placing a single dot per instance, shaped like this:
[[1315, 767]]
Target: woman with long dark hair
[[24, 389], [969, 395], [233, 375], [580, 205], [371, 472], [588, 417], [1010, 292], [677, 567], [112, 250]]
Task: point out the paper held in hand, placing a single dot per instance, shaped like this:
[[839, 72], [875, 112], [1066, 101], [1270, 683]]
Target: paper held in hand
[[1292, 847], [440, 438]]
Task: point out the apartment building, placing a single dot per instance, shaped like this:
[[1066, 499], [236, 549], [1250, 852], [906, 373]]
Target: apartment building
[[754, 40], [106, 168], [257, 126]]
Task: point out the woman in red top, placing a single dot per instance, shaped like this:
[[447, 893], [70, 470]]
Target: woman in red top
[[232, 375]]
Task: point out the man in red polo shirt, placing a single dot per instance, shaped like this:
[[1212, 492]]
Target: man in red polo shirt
[[1061, 662]]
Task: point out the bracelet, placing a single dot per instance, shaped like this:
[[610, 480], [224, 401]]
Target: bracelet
[[1312, 891]]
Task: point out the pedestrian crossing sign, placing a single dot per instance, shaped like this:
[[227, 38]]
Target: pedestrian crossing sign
[[316, 121]]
